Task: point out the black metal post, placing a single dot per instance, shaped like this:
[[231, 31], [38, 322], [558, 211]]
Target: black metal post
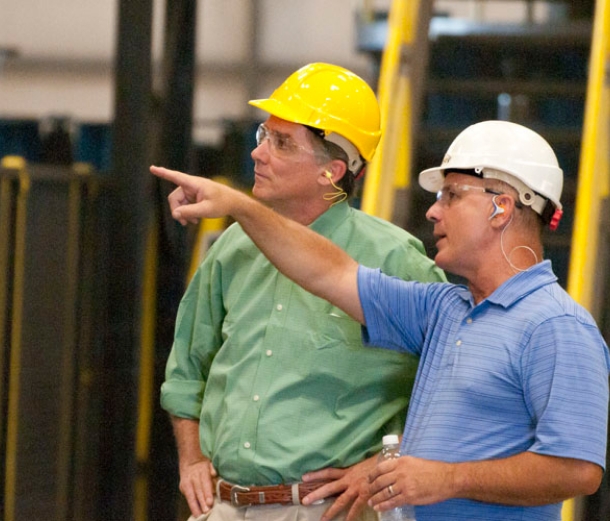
[[174, 135], [130, 212]]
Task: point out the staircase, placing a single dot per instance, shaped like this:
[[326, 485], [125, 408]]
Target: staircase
[[531, 74]]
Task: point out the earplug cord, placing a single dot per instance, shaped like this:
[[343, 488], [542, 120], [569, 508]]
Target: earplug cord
[[515, 268], [337, 197]]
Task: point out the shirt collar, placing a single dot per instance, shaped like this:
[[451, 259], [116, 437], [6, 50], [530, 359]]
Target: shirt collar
[[523, 284], [331, 219]]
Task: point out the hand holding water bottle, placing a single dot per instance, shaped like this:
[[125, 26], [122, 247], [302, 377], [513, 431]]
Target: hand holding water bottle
[[391, 450]]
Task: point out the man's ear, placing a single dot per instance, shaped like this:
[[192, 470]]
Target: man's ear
[[503, 206], [498, 207], [334, 171]]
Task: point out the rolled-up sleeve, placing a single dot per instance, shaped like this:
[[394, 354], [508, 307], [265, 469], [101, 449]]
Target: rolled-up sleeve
[[197, 339]]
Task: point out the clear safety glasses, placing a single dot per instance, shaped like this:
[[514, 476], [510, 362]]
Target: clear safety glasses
[[280, 144], [454, 191]]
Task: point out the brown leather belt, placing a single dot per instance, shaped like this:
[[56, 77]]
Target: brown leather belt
[[240, 496]]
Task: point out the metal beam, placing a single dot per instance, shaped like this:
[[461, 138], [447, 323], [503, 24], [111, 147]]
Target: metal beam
[[174, 138], [129, 219]]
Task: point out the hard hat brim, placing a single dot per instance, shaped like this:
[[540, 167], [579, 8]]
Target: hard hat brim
[[432, 179], [277, 109]]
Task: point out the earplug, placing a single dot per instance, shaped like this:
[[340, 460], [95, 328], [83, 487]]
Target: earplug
[[337, 196], [497, 208]]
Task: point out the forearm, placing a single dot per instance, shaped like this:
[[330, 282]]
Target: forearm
[[186, 433], [196, 470], [525, 479]]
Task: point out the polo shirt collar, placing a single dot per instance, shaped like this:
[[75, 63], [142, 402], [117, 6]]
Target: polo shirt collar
[[523, 284]]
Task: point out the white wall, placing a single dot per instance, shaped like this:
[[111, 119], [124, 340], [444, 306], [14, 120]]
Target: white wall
[[66, 49]]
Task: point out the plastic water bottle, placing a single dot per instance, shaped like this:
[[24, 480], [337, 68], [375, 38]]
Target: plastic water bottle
[[391, 450]]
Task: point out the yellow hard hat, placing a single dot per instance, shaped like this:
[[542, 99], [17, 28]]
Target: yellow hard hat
[[334, 100]]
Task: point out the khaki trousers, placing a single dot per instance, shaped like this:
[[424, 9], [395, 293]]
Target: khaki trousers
[[223, 511]]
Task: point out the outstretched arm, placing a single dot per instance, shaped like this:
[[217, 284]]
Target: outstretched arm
[[309, 259]]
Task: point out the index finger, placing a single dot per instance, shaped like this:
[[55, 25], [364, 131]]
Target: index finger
[[329, 489], [174, 176]]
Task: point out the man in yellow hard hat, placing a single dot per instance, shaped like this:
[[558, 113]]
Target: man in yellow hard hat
[[272, 395]]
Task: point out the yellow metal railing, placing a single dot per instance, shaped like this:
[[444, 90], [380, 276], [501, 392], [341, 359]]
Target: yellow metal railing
[[208, 231], [12, 424], [593, 175], [67, 414], [594, 172], [389, 169], [146, 391], [5, 253]]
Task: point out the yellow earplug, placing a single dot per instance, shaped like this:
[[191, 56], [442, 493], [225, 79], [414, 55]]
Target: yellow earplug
[[337, 196]]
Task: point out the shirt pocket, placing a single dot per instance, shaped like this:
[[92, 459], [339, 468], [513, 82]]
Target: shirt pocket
[[335, 330]]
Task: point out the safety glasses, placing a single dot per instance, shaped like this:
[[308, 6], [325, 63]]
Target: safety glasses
[[280, 144], [454, 191]]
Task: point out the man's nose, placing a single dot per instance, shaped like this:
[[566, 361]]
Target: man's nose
[[433, 212], [261, 151]]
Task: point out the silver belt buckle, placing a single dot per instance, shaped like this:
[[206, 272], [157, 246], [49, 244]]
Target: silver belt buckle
[[236, 489]]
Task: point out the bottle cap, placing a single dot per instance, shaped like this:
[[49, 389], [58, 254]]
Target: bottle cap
[[390, 439]]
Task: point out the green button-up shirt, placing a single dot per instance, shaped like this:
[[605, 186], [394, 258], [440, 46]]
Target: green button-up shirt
[[278, 378]]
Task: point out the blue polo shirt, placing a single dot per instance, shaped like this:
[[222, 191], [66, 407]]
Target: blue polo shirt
[[524, 370]]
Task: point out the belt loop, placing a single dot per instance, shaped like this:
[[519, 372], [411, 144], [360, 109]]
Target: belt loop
[[218, 482], [296, 500]]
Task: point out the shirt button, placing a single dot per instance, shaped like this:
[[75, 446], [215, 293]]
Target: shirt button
[[247, 445], [458, 343], [269, 352], [256, 397], [468, 321], [279, 307]]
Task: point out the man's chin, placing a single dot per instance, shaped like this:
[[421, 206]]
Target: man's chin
[[440, 260], [258, 192]]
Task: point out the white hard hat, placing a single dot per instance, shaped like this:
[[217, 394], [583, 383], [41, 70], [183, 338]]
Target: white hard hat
[[512, 153]]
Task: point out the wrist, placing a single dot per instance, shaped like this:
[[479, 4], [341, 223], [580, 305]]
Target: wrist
[[456, 480], [192, 460], [241, 205]]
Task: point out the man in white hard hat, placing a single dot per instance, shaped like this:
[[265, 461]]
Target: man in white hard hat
[[271, 393], [509, 412]]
